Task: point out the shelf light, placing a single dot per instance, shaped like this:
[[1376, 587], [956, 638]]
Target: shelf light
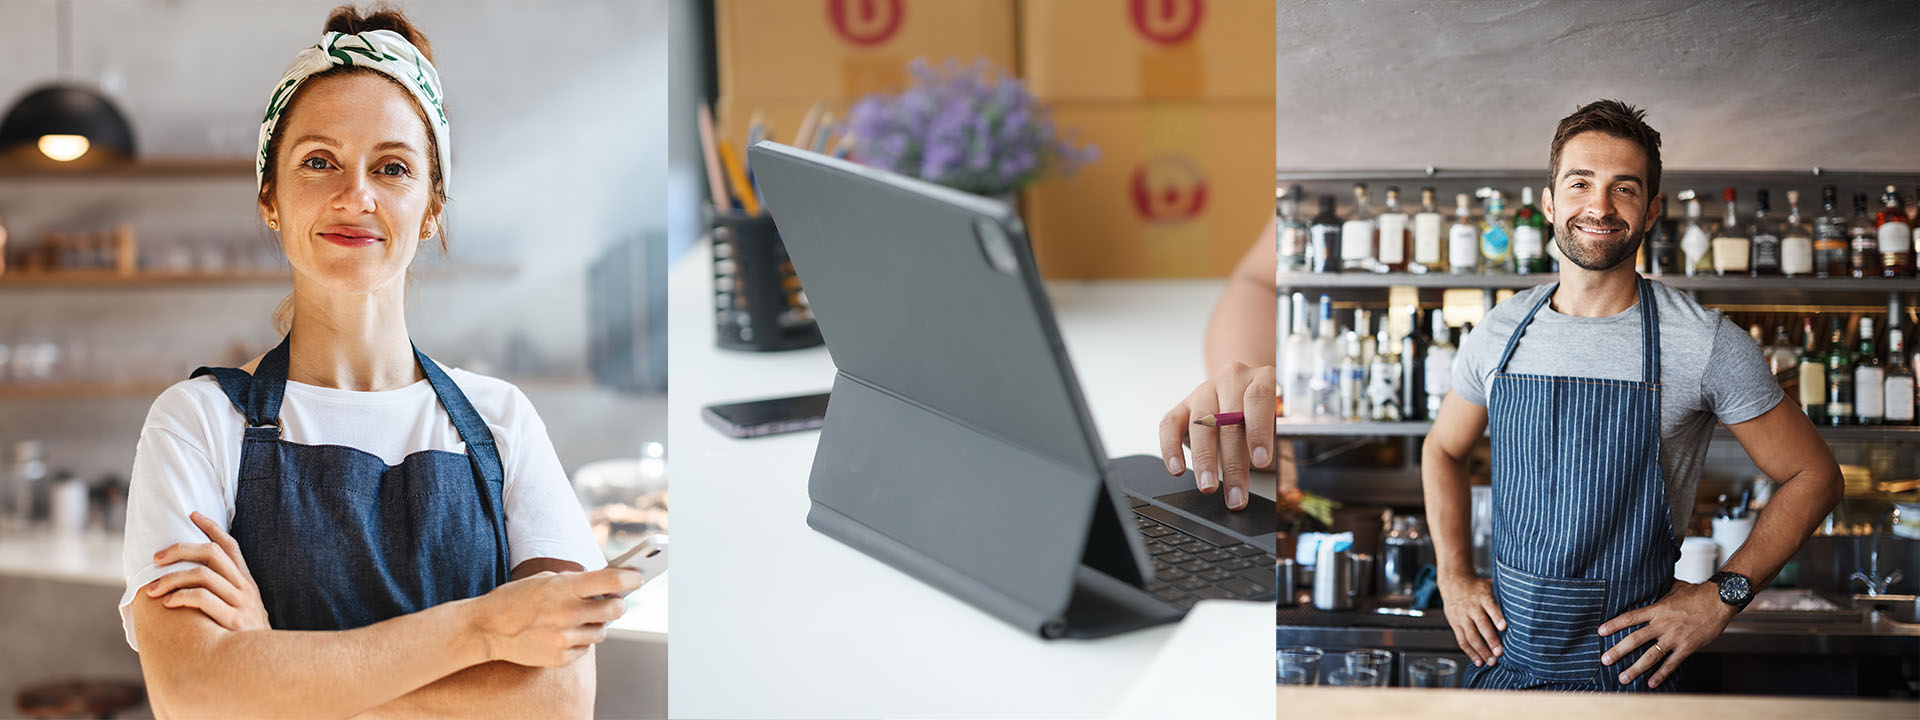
[[64, 148]]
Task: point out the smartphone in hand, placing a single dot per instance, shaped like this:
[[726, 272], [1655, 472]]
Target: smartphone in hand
[[649, 557]]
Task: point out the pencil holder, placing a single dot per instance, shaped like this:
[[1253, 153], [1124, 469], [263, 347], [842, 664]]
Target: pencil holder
[[757, 301]]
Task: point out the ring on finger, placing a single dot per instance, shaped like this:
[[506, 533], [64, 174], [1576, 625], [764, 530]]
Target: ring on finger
[[1656, 646]]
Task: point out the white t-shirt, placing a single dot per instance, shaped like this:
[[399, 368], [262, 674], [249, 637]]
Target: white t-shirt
[[189, 459]]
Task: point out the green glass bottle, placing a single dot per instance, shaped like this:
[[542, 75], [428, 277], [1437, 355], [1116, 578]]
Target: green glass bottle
[[1529, 236], [1839, 376], [1812, 375]]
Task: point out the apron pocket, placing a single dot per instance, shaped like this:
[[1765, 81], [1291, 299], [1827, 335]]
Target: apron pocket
[[1552, 623]]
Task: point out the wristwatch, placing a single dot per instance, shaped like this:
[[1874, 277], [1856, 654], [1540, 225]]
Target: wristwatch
[[1735, 589]]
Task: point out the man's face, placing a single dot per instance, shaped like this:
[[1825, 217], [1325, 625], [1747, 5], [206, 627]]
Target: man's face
[[1600, 205]]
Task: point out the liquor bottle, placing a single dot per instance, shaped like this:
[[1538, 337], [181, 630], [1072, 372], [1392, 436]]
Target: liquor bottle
[[1394, 235], [1496, 236], [1323, 239], [1869, 380], [1326, 364], [1899, 397], [1290, 232], [1839, 377], [1864, 238], [1413, 370], [1813, 377], [1359, 235], [1663, 243], [1383, 377], [1352, 393], [1463, 239], [1896, 237], [1439, 360], [1429, 237], [1759, 341], [1765, 246], [1796, 240], [1297, 400], [1696, 242], [1529, 236], [1783, 355], [1830, 237], [1730, 244]]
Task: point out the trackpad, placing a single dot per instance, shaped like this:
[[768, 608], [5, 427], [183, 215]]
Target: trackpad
[[1260, 518]]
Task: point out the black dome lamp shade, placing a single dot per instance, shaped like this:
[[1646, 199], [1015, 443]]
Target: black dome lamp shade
[[66, 122]]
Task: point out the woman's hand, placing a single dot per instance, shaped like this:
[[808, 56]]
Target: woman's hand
[[1223, 456], [551, 619], [222, 588]]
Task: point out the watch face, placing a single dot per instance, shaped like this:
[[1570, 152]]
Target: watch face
[[1733, 589]]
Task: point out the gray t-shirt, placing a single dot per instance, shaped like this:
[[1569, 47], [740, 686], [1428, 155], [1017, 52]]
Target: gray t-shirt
[[1692, 339]]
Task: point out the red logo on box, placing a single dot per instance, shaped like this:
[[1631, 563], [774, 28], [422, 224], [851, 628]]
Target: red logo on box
[[866, 22], [1169, 189], [1168, 22]]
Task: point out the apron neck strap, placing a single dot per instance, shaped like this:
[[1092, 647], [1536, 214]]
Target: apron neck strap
[[1649, 329], [466, 420]]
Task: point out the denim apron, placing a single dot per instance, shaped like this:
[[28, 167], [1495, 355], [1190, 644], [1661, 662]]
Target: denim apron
[[336, 538], [1582, 531]]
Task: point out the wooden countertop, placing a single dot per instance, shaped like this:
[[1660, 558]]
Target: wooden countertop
[[1378, 703]]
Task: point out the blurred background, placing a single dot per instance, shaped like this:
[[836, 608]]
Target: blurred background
[[124, 273], [1749, 98]]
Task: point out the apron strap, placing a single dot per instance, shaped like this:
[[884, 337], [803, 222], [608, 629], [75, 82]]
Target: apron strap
[[481, 451], [256, 396], [1513, 340], [1649, 336]]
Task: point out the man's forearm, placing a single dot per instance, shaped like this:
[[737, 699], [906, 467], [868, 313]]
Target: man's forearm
[[196, 669], [1444, 483], [1796, 508], [500, 689]]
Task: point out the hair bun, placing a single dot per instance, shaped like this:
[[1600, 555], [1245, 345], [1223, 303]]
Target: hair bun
[[351, 20]]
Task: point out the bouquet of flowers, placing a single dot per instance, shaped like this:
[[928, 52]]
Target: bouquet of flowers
[[965, 127]]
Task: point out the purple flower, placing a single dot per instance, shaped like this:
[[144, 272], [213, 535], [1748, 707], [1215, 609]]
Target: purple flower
[[964, 126]]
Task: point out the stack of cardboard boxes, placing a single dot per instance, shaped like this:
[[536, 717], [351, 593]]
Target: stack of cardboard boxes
[[1177, 94]]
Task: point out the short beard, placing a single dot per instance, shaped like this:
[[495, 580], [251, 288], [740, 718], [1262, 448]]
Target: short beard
[[1599, 262]]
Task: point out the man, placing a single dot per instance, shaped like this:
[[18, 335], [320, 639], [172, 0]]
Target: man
[[1601, 392]]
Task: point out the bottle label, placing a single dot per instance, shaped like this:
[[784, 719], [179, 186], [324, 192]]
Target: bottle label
[[1463, 246], [1866, 243], [1393, 238], [1796, 255], [1813, 385], [1730, 254], [1326, 242], [1426, 239], [1695, 243], [1895, 237], [1497, 242], [1527, 242], [1766, 252], [1868, 391], [1293, 241], [1439, 371], [1899, 398], [1356, 240]]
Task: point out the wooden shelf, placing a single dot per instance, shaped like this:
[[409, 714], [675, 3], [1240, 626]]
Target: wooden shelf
[[1361, 280], [167, 168], [1298, 429], [109, 279]]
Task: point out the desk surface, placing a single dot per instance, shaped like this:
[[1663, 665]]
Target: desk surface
[[774, 619]]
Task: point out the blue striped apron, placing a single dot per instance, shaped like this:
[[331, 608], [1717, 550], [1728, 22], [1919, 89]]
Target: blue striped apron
[[1582, 531]]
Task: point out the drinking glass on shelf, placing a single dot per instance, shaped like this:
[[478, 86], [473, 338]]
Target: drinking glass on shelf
[[1432, 672], [1354, 677], [1298, 665], [1378, 662]]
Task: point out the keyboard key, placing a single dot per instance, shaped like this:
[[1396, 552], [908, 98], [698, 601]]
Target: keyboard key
[[1213, 593], [1178, 538], [1242, 550], [1171, 574], [1240, 587], [1205, 534], [1237, 564], [1264, 578], [1213, 556], [1156, 530], [1171, 594], [1190, 583], [1263, 560], [1214, 575], [1192, 566]]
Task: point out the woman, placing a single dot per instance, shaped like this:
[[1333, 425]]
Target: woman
[[385, 535]]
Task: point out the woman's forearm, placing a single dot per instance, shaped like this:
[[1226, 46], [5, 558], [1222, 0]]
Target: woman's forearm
[[1241, 328], [500, 689], [195, 668]]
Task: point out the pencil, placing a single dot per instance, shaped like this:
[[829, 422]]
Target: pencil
[[1222, 419], [737, 179], [716, 183], [821, 132], [806, 126]]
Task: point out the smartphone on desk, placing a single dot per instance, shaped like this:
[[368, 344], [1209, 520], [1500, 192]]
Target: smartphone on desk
[[771, 416]]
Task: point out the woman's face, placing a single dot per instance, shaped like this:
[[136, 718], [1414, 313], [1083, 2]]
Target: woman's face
[[352, 184]]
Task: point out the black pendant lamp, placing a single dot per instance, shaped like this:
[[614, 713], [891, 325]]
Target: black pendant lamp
[[65, 122]]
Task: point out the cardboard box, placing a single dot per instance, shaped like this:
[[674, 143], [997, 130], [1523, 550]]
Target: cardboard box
[[825, 49], [1181, 189], [1148, 49]]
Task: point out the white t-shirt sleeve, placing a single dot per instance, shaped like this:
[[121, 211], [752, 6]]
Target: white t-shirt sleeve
[[173, 476], [544, 517]]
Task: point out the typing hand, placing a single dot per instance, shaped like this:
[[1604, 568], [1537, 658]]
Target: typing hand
[[1223, 456]]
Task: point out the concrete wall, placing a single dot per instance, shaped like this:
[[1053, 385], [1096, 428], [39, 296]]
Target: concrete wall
[[1775, 84]]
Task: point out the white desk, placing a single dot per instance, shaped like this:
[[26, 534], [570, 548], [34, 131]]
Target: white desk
[[773, 619]]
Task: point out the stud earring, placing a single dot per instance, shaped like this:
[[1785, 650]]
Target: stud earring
[[273, 225]]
